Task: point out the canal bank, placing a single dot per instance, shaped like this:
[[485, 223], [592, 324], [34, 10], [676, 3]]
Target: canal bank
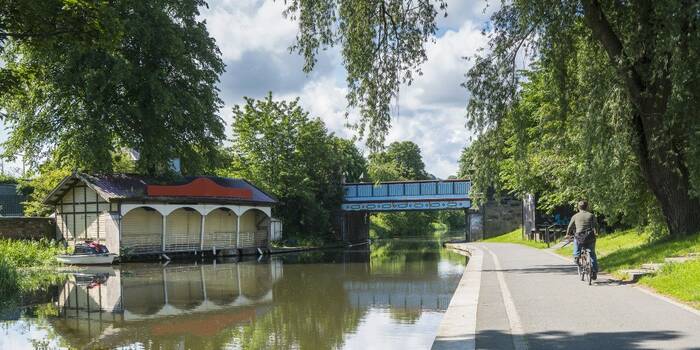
[[457, 329]]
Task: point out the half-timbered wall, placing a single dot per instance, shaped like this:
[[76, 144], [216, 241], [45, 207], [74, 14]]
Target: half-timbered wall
[[82, 214]]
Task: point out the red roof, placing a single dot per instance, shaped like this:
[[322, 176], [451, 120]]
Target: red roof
[[199, 187]]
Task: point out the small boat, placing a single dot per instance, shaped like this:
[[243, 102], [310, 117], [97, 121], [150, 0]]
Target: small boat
[[87, 259], [88, 253]]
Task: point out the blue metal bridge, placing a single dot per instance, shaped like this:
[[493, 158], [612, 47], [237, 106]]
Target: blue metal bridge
[[407, 195]]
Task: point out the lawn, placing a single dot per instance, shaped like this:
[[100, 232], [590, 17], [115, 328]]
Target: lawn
[[515, 236]]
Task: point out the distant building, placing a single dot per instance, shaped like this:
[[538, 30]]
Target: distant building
[[11, 200], [134, 214]]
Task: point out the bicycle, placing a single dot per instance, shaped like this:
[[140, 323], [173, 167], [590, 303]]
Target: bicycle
[[584, 264]]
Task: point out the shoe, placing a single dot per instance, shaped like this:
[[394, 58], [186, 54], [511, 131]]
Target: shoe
[[594, 275]]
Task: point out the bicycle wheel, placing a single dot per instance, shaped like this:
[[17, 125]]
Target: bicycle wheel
[[589, 268], [579, 269], [582, 266]]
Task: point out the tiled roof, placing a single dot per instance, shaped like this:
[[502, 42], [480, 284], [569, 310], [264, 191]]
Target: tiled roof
[[132, 186]]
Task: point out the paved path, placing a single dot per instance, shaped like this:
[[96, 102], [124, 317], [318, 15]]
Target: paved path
[[531, 299]]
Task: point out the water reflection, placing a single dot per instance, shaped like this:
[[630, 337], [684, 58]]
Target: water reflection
[[318, 300]]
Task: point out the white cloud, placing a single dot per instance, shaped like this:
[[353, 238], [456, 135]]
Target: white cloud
[[249, 25], [431, 109]]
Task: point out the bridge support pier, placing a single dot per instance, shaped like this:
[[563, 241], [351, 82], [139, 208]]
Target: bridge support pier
[[467, 226], [354, 226]]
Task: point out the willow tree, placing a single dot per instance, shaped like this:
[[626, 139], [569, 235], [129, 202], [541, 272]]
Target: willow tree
[[81, 80], [651, 47]]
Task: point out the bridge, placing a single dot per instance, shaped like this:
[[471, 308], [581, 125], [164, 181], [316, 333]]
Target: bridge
[[361, 199]]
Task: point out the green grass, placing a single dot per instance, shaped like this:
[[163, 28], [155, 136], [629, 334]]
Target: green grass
[[26, 266], [681, 281], [515, 236], [613, 242], [630, 249]]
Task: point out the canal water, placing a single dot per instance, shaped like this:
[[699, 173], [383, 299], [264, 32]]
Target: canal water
[[390, 295]]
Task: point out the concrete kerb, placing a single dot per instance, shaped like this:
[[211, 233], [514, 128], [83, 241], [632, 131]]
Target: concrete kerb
[[458, 327]]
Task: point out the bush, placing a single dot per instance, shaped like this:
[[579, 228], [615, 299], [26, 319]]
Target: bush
[[8, 279], [25, 267], [20, 253]]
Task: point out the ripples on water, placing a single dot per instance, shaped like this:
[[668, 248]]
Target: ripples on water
[[392, 295]]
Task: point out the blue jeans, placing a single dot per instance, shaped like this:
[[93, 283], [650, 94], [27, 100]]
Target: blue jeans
[[591, 246]]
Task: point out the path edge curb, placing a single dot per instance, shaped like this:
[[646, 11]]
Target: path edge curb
[[457, 329]]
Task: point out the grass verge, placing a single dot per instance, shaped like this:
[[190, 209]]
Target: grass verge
[[630, 249], [515, 236], [26, 266]]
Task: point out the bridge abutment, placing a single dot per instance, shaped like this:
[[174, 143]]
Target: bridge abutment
[[354, 226]]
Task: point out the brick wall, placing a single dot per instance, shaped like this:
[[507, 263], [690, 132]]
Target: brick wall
[[27, 227]]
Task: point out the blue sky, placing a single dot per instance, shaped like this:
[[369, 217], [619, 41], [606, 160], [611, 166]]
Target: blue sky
[[254, 39]]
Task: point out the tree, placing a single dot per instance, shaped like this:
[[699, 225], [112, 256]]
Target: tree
[[278, 146], [382, 46], [81, 80], [533, 151], [642, 53], [400, 161]]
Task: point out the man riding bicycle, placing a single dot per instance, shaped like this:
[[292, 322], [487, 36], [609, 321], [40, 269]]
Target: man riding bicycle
[[583, 228]]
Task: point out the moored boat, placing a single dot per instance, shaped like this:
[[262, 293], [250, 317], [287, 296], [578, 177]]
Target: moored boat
[[88, 253], [86, 259]]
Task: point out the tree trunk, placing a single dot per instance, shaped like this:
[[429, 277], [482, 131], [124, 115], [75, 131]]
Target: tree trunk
[[672, 190], [665, 169], [662, 161]]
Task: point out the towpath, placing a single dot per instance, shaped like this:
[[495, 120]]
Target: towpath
[[528, 298]]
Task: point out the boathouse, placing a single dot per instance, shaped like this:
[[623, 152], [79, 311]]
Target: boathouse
[[136, 215]]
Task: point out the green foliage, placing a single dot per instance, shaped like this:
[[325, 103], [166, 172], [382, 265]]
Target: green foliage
[[452, 219], [400, 161], [619, 90], [401, 224], [7, 179], [607, 112], [39, 185], [23, 267], [20, 253], [535, 150], [281, 149], [80, 80], [382, 47]]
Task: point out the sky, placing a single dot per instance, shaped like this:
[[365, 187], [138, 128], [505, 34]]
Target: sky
[[254, 39]]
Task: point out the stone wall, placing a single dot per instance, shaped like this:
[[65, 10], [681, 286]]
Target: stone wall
[[27, 227], [501, 216]]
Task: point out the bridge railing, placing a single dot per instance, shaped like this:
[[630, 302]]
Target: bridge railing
[[407, 190]]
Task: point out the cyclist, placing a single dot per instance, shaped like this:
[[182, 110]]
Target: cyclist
[[583, 228]]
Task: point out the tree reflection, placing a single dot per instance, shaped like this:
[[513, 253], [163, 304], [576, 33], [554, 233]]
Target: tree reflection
[[312, 312]]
